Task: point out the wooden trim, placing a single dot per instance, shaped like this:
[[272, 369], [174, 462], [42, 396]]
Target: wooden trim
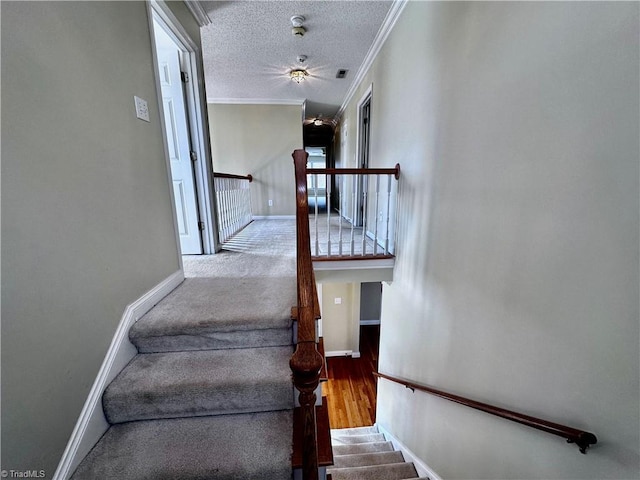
[[325, 451], [581, 438], [231, 175]]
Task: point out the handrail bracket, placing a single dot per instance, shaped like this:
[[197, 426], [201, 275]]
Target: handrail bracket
[[584, 441]]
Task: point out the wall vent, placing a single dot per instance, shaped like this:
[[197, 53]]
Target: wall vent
[[341, 73]]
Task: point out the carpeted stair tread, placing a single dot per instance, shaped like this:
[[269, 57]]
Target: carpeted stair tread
[[371, 447], [200, 383], [208, 313], [393, 471], [354, 431], [351, 439], [364, 459], [224, 447]]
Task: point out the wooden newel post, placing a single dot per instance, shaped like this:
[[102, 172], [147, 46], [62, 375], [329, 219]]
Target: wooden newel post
[[306, 362]]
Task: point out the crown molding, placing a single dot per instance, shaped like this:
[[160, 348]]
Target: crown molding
[[198, 12], [385, 29], [258, 101]]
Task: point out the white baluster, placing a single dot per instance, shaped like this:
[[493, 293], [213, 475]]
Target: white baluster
[[386, 239], [365, 187], [315, 194], [354, 215], [340, 217], [375, 232], [327, 185]]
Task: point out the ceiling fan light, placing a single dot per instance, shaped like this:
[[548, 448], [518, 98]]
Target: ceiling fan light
[[298, 75]]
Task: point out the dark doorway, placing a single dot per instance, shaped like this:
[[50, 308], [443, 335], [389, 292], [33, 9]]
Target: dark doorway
[[364, 132]]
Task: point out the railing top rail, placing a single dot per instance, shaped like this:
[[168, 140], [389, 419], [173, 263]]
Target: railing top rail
[[233, 175], [581, 438], [356, 171]]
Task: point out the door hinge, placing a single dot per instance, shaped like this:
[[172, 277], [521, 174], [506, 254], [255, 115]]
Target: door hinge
[[194, 156], [184, 76], [201, 226]]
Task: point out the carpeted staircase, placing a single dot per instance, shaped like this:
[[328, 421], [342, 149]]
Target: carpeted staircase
[[364, 454], [209, 394]]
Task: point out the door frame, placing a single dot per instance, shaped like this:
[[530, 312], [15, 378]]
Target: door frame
[[191, 62], [366, 97]]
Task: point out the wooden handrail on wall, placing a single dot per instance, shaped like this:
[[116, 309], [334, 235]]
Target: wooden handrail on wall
[[306, 361], [232, 175], [581, 438]]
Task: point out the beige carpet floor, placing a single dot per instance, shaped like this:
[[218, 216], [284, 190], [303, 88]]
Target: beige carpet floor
[[267, 248]]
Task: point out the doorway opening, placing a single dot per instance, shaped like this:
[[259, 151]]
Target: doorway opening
[[317, 184], [177, 133], [351, 388], [363, 147], [182, 111]]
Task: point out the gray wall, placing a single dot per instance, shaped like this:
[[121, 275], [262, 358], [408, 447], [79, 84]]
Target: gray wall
[[258, 140], [370, 300], [516, 281], [87, 226]]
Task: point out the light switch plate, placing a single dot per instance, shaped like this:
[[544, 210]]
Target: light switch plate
[[142, 109], [337, 300]]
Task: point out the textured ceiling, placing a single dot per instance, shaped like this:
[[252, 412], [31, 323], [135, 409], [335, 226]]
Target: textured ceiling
[[249, 49]]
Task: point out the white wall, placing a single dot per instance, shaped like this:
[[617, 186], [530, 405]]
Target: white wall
[[516, 280], [258, 140], [87, 224]]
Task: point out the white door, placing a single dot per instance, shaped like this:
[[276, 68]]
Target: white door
[[177, 132]]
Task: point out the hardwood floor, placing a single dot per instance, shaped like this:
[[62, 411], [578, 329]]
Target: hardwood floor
[[351, 388]]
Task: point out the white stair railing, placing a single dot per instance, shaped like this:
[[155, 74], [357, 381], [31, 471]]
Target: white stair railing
[[358, 222], [233, 195]]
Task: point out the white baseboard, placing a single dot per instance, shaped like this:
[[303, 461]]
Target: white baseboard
[[274, 217], [369, 322], [422, 468], [92, 424], [342, 353]]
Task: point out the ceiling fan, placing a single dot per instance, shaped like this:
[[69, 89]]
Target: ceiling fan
[[318, 121]]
